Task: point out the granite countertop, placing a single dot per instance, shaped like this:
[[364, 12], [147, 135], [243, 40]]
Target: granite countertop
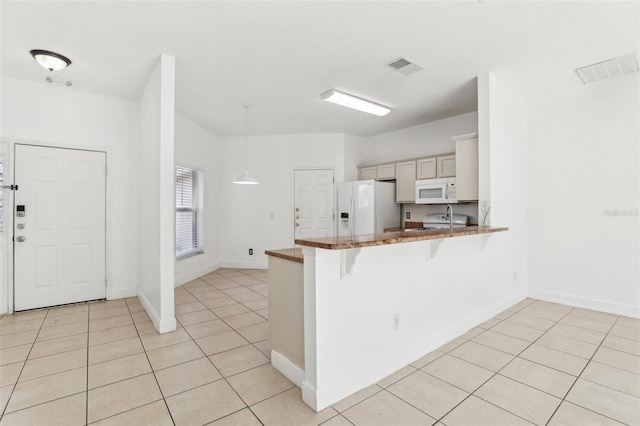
[[293, 254], [340, 243]]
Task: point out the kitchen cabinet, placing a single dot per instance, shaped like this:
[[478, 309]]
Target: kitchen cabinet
[[366, 173], [426, 168], [467, 166], [406, 182], [446, 166], [386, 172]]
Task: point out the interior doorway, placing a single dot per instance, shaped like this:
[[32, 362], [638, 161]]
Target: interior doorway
[[313, 203]]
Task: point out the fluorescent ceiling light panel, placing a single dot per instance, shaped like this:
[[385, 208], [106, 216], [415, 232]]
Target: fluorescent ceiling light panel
[[354, 102], [612, 68]]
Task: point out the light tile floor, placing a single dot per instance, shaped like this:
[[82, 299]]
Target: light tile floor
[[103, 363]]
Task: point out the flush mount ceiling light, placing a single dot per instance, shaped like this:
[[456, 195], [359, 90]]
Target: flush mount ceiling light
[[354, 102], [612, 68], [50, 60], [246, 178]]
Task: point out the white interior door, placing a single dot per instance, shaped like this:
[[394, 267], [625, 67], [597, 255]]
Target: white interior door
[[59, 226], [313, 203]]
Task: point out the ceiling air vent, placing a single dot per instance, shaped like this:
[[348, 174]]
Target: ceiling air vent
[[404, 66], [607, 69]]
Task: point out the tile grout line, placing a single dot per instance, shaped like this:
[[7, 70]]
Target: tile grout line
[[15, 385], [221, 375], [498, 371], [150, 366], [580, 374], [233, 328]]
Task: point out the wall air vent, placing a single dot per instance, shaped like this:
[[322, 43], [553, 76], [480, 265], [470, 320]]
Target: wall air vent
[[608, 69], [404, 66]]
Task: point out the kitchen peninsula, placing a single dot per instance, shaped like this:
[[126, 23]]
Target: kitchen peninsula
[[372, 304]]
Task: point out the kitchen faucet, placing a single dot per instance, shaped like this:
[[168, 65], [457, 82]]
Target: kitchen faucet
[[450, 217]]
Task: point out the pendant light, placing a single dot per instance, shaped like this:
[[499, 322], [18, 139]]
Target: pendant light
[[246, 178]]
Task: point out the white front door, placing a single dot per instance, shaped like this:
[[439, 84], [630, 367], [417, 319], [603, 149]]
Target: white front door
[[59, 226], [313, 203]]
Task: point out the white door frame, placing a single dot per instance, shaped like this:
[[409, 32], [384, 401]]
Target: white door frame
[[6, 272], [293, 197], [9, 218]]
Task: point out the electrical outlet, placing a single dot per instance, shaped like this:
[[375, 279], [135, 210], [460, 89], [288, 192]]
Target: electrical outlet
[[396, 322], [408, 215], [250, 252]]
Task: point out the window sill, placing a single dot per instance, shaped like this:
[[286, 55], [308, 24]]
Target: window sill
[[187, 255]]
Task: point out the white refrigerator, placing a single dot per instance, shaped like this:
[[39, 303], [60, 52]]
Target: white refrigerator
[[367, 207]]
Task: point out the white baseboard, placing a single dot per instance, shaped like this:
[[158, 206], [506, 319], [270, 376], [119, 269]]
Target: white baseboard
[[287, 368], [321, 398], [245, 265], [121, 293], [163, 326], [178, 281], [585, 302]]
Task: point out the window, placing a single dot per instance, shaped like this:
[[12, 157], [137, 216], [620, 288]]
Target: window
[[189, 212]]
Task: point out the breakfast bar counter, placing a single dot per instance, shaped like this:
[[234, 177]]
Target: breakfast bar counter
[[359, 241], [355, 310], [292, 254]]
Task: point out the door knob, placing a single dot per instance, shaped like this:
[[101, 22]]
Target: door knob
[[20, 239], [297, 224]]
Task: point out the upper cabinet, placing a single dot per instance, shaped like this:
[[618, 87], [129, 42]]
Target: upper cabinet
[[406, 182], [443, 166], [463, 165], [467, 166], [366, 173], [381, 172], [386, 172], [446, 166], [426, 168]]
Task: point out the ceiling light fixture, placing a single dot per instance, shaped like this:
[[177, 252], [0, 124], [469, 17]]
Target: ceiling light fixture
[[50, 60], [246, 178], [354, 102]]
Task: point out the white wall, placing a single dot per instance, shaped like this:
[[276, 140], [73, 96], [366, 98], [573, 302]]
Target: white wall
[[423, 140], [261, 216], [584, 163], [502, 152], [355, 149], [350, 342], [51, 115], [156, 196], [198, 148]]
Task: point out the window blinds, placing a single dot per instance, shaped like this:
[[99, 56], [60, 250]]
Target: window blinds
[[189, 212]]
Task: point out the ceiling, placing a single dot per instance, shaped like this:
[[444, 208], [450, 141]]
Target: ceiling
[[280, 56]]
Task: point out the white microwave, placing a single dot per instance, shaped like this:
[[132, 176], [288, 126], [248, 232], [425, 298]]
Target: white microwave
[[436, 191]]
